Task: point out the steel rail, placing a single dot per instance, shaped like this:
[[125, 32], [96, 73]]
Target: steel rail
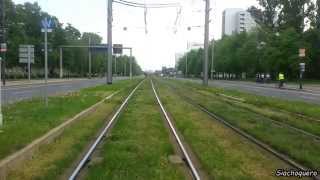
[[283, 124], [86, 157], [247, 136], [181, 146]]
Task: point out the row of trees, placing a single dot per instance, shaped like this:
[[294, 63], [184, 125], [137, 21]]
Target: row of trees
[[283, 28], [24, 27]]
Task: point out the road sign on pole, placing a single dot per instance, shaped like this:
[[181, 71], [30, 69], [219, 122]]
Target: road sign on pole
[[26, 55], [46, 28]]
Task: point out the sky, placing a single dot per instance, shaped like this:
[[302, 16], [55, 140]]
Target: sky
[[164, 39]]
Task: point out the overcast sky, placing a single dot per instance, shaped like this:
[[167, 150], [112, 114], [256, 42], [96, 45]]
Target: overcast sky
[[159, 46]]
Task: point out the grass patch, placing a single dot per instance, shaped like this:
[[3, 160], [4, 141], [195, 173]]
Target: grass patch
[[139, 145], [296, 107], [223, 154], [27, 120], [299, 147], [51, 161]]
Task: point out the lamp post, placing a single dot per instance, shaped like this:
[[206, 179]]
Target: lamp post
[[109, 71], [206, 43], [131, 58]]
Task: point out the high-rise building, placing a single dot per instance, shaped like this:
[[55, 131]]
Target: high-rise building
[[236, 20]]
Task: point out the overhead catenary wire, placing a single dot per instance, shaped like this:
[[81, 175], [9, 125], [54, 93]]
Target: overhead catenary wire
[[144, 5]]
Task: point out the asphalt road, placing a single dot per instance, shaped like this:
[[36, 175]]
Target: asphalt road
[[17, 93], [269, 91]]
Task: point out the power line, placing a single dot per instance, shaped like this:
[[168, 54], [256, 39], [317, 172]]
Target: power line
[[154, 4], [141, 5]]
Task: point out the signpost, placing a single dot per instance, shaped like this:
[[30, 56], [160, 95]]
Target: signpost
[[1, 117], [46, 28], [302, 66], [26, 55]]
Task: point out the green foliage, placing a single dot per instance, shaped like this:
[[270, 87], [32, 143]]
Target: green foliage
[[283, 28], [24, 27]]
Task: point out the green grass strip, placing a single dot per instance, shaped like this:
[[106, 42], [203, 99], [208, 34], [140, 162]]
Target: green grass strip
[[223, 154], [139, 145], [27, 120]]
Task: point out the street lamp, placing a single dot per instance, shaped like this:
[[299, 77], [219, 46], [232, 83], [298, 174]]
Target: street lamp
[[131, 59]]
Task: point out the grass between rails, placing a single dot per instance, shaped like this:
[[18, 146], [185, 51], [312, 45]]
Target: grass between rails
[[51, 161], [27, 120], [299, 147], [223, 154], [139, 145]]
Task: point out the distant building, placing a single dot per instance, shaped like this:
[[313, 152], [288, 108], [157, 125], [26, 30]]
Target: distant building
[[236, 20]]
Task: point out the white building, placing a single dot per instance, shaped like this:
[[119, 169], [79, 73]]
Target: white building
[[236, 21]]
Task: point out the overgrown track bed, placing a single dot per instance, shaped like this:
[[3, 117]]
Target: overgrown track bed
[[93, 147], [232, 125], [139, 145], [185, 153], [53, 159]]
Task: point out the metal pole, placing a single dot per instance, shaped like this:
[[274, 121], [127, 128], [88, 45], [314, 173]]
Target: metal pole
[[3, 40], [46, 61], [131, 59], [115, 65], [29, 66], [61, 64], [186, 65], [109, 73], [212, 56], [206, 43], [125, 69], [300, 82], [89, 57], [1, 116]]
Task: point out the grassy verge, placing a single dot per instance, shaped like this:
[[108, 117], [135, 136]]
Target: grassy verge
[[139, 145], [51, 161], [305, 123], [297, 146], [269, 107], [28, 120], [296, 107], [223, 153]]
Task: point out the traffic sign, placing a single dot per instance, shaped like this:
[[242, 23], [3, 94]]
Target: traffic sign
[[26, 53], [302, 52], [3, 47], [46, 24], [117, 48]]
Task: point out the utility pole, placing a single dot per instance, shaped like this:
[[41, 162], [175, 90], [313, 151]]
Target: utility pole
[[3, 41], [89, 56], [206, 44], [109, 73], [186, 73], [212, 57], [61, 64], [125, 68], [46, 60], [115, 65], [131, 59]]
